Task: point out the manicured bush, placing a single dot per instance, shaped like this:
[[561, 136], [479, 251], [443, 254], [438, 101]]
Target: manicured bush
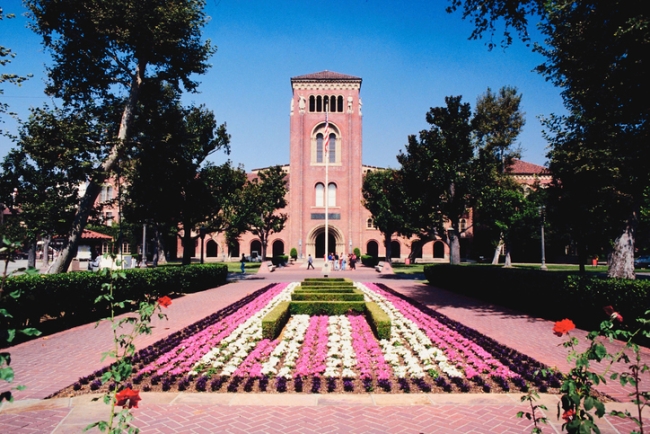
[[293, 253], [357, 252], [70, 297], [368, 260], [274, 321], [378, 320], [326, 307], [327, 296], [552, 295], [280, 260]]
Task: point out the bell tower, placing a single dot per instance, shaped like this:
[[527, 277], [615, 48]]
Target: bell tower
[[325, 111]]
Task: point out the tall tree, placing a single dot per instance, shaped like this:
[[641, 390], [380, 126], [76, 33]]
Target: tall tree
[[439, 174], [597, 52], [263, 196], [497, 123], [104, 52], [383, 197]]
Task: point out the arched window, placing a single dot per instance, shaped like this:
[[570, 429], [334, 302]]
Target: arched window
[[319, 148], [331, 194], [319, 103], [340, 104], [332, 148], [312, 103], [369, 223], [320, 194], [463, 225], [333, 104]]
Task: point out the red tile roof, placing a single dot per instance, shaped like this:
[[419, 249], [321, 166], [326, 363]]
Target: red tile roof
[[326, 75], [92, 235], [523, 168]]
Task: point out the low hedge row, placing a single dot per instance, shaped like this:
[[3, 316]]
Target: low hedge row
[[550, 295], [70, 297]]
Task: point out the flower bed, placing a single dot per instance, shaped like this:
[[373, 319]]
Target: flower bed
[[427, 352]]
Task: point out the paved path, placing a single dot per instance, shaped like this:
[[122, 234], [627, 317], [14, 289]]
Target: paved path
[[48, 364]]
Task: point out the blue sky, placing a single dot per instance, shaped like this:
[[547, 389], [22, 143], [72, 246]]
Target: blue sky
[[410, 55]]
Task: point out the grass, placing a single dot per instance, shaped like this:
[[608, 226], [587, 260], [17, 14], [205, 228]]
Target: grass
[[408, 269], [235, 267]]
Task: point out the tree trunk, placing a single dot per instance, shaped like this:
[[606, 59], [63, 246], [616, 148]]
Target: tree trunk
[[621, 259], [454, 246], [188, 244], [582, 257], [100, 174], [508, 261], [154, 258], [31, 254], [46, 251], [388, 247], [497, 251]]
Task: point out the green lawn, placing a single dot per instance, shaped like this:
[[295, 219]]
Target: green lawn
[[235, 267], [419, 268]]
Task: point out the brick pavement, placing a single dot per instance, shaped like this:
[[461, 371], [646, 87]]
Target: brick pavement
[[51, 363]]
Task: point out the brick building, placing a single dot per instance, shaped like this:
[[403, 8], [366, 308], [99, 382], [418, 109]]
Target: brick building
[[350, 225]]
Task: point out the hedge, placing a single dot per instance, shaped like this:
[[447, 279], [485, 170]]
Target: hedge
[[552, 295], [70, 297]]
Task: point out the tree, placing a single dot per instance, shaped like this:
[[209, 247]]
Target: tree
[[439, 174], [262, 197], [104, 53], [175, 143], [382, 196], [597, 52], [497, 123]]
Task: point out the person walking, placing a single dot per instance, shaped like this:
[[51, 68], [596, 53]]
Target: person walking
[[310, 262], [243, 263]]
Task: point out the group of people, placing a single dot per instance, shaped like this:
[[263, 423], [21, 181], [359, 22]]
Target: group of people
[[337, 262]]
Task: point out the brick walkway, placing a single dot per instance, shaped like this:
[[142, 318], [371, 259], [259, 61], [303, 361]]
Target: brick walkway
[[48, 364]]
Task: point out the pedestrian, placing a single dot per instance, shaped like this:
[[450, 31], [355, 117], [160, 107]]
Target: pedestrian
[[343, 262], [243, 263], [310, 262], [353, 262], [336, 262]]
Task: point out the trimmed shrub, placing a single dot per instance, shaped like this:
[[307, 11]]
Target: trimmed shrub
[[293, 253], [274, 321], [368, 261], [327, 296], [326, 307], [69, 298], [378, 320]]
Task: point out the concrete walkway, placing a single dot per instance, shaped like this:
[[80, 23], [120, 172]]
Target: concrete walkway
[[51, 363]]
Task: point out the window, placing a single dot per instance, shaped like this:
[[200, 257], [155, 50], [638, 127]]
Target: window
[[329, 103], [332, 148], [340, 104], [319, 103], [320, 194], [331, 194], [108, 217], [319, 148], [369, 223], [312, 103]]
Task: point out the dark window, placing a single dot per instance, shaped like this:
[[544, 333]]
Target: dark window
[[340, 104], [319, 103], [332, 148], [319, 148], [312, 103]]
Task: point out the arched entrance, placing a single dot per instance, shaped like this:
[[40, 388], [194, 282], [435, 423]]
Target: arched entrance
[[233, 249], [438, 250], [372, 249], [278, 248], [211, 249], [316, 241], [416, 249], [395, 249], [320, 244], [256, 249]]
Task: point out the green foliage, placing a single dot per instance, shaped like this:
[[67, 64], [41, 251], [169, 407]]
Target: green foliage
[[324, 295], [504, 287], [357, 252], [531, 397], [378, 320], [326, 307], [69, 298], [294, 253], [368, 260], [275, 320], [280, 260]]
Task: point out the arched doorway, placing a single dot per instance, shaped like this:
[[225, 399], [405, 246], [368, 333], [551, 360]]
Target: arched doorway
[[320, 244], [211, 249], [395, 249], [256, 249], [233, 249], [438, 250], [416, 249], [278, 248], [372, 249]]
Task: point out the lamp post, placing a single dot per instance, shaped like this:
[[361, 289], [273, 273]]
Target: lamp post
[[300, 248], [542, 210], [202, 235]]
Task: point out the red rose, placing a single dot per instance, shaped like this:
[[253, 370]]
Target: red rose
[[562, 327], [128, 398], [612, 314], [164, 301], [568, 415]]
